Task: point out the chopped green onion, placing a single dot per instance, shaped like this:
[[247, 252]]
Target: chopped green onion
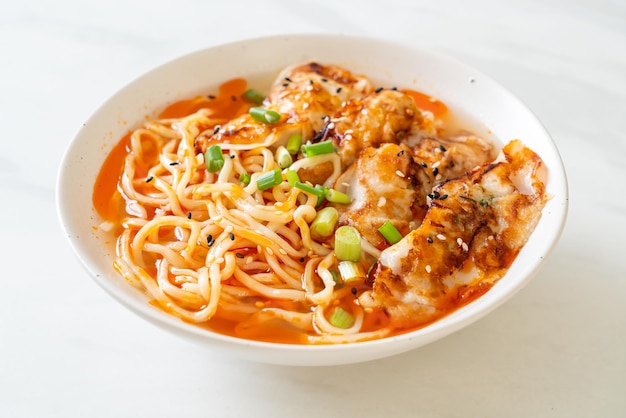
[[391, 234], [292, 177], [335, 196], [312, 190], [311, 150], [245, 178], [283, 158], [324, 223], [213, 158], [269, 179], [294, 143], [337, 279], [351, 271], [347, 243], [253, 96], [323, 190], [264, 115], [340, 318]]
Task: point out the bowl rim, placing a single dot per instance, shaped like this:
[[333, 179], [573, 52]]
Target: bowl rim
[[427, 334]]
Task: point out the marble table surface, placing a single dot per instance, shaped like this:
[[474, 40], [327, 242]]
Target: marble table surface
[[557, 349]]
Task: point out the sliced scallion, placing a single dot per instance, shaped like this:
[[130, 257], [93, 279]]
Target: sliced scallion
[[264, 115], [390, 233], [269, 179], [350, 272], [347, 243], [253, 96], [341, 318], [283, 158], [312, 190], [324, 223], [335, 196], [245, 178], [320, 148], [294, 143], [213, 158], [292, 177]]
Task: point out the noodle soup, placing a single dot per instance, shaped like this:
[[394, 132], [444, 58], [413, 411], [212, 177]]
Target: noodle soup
[[229, 210]]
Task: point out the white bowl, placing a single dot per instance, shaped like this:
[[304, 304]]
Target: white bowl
[[389, 64]]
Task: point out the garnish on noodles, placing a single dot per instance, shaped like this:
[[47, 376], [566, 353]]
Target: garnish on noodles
[[328, 211]]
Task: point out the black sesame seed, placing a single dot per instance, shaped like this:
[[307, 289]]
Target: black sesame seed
[[429, 239], [188, 215], [310, 81], [232, 236], [232, 156], [211, 242], [233, 98], [324, 80], [287, 79], [149, 179], [378, 90], [302, 259], [394, 88], [435, 171], [353, 290], [239, 255], [209, 238], [423, 164], [216, 129], [443, 197], [401, 153], [210, 96], [174, 163], [338, 89], [285, 84], [442, 148]]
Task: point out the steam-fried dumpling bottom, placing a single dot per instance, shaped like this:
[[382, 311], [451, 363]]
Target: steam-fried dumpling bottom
[[469, 237], [381, 186], [311, 93], [305, 96], [384, 117]]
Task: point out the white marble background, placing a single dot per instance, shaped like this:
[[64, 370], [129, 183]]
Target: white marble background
[[557, 349]]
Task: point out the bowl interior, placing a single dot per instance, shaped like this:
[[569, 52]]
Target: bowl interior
[[259, 60]]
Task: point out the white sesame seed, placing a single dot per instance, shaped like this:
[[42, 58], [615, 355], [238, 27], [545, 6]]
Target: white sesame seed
[[364, 111], [282, 251], [345, 184], [400, 173], [459, 241], [305, 105], [427, 268], [278, 212], [269, 251], [436, 164], [220, 260], [441, 237], [438, 177], [278, 204], [228, 229], [249, 259], [381, 202], [348, 137], [349, 131], [465, 247], [331, 126], [437, 150]]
